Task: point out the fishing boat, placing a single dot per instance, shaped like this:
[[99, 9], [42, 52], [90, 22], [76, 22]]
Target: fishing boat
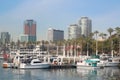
[[89, 64]]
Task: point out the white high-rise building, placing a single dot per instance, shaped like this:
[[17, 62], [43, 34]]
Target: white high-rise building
[[55, 35], [74, 31], [86, 26]]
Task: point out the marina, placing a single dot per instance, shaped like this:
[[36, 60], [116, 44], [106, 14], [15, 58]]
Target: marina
[[36, 58], [60, 40], [108, 73], [35, 64]]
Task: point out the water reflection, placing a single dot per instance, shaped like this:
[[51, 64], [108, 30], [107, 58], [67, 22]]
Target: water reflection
[[100, 74], [59, 74]]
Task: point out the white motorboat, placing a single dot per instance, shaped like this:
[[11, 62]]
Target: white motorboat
[[22, 62], [34, 64], [89, 64], [112, 62]]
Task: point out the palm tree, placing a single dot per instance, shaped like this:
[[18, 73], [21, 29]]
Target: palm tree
[[110, 30], [91, 42], [105, 35], [91, 35], [96, 33], [102, 35], [12, 44], [88, 39], [117, 29], [81, 41]]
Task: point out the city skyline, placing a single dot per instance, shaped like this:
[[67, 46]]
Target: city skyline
[[58, 14]]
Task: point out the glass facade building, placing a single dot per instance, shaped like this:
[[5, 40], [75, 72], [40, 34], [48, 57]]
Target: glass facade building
[[74, 31], [30, 30], [5, 37], [55, 35]]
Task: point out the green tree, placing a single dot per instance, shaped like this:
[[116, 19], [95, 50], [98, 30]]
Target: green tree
[[103, 36], [117, 29], [110, 31]]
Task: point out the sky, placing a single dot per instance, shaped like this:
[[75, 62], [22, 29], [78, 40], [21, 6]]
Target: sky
[[57, 14]]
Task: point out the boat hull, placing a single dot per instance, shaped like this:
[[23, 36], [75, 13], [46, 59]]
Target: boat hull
[[7, 65], [112, 64], [87, 67], [29, 66]]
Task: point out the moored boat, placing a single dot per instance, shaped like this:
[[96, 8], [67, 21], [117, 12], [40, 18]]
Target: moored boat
[[7, 65], [89, 64], [112, 62], [34, 64]]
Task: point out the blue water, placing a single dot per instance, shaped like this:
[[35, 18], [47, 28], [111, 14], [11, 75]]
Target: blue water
[[59, 74]]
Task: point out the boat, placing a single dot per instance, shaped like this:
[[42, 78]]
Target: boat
[[7, 61], [112, 62], [34, 64], [7, 64], [89, 64], [29, 62]]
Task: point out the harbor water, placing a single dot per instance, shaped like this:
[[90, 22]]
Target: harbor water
[[108, 73]]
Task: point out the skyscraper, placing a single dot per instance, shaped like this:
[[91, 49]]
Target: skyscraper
[[55, 35], [86, 26], [5, 37], [30, 30], [74, 31]]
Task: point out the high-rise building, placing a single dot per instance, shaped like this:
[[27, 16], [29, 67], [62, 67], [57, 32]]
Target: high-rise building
[[30, 30], [5, 37], [86, 26], [24, 38], [74, 31], [55, 35]]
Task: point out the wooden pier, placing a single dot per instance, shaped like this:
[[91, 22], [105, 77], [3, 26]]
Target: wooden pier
[[64, 66]]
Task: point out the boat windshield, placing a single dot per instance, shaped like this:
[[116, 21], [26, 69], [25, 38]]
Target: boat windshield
[[37, 62]]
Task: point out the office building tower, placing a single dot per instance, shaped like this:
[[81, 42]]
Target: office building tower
[[30, 30], [55, 35], [5, 37], [24, 38], [74, 31], [86, 26]]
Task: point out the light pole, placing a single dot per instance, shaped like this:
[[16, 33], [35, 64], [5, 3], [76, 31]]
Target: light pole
[[119, 46], [87, 50], [96, 32], [96, 47]]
